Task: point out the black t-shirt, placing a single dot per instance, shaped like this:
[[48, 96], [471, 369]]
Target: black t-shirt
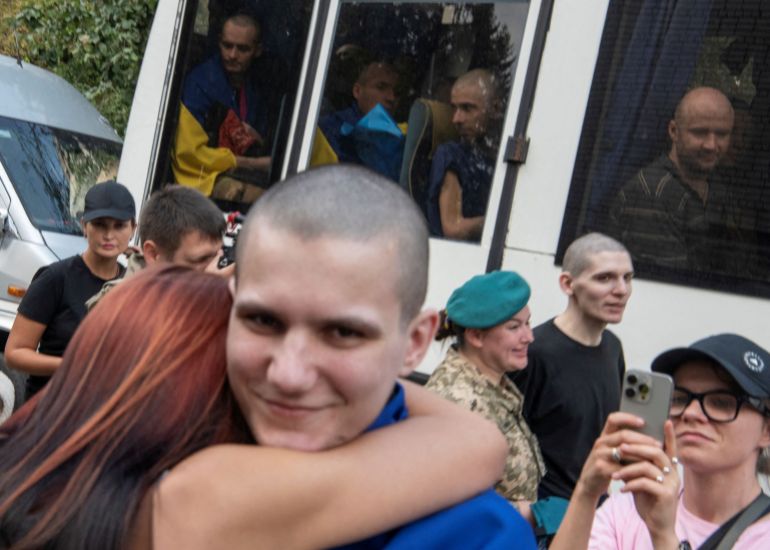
[[57, 298], [569, 390]]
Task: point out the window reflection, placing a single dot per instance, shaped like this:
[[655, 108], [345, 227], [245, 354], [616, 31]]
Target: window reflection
[[52, 170], [418, 92], [674, 159]]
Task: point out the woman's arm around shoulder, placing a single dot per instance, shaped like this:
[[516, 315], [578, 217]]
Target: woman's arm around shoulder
[[238, 496]]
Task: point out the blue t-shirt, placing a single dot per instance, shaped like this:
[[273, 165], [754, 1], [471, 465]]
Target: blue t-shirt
[[331, 126], [378, 145], [485, 521], [474, 170]]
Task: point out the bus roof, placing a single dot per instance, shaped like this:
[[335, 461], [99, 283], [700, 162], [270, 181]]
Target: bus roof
[[36, 95]]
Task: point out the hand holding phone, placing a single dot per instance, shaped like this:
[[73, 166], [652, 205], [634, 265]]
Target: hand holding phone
[[647, 395]]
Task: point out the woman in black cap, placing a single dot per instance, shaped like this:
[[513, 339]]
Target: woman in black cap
[[54, 303], [488, 318], [720, 433]]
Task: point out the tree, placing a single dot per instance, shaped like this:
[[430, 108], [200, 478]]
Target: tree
[[96, 45]]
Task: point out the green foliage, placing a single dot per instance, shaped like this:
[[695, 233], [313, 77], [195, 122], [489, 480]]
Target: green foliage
[[96, 45]]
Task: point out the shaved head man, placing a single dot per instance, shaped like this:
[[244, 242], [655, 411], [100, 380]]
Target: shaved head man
[[327, 313], [474, 104], [573, 377], [700, 132], [461, 171], [340, 137], [668, 213]]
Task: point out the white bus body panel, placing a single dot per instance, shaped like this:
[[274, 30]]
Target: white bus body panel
[[658, 316], [145, 123]]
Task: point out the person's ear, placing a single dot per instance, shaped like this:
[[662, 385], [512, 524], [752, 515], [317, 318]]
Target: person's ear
[[672, 130], [231, 284], [565, 283], [83, 226], [419, 335], [258, 49], [150, 251], [356, 90], [764, 441], [474, 337]]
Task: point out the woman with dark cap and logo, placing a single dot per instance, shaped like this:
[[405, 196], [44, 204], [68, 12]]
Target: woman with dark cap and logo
[[54, 304], [720, 433], [488, 318]]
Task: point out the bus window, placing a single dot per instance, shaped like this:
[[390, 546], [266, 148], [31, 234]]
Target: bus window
[[418, 91], [241, 69], [674, 159]]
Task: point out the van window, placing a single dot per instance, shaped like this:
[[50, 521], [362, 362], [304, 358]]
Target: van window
[[418, 91], [52, 170], [674, 158]]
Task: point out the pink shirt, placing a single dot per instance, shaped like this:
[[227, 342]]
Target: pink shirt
[[617, 525]]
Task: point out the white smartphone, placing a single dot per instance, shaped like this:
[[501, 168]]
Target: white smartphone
[[648, 395]]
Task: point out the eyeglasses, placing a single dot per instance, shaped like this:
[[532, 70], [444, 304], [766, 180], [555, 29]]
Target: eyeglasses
[[717, 405]]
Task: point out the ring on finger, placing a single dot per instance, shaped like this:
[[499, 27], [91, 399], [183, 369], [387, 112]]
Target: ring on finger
[[659, 479], [674, 461], [616, 455], [666, 470]]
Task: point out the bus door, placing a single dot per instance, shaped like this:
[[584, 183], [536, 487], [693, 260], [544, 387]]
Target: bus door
[[185, 125], [441, 84]]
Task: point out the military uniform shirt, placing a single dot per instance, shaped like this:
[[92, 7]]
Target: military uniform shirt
[[458, 380]]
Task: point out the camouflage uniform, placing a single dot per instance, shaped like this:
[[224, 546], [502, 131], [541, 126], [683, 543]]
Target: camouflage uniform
[[458, 380]]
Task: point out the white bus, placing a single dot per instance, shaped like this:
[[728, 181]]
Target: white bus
[[588, 89]]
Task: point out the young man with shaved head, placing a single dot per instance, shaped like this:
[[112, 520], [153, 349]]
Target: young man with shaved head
[[328, 292], [573, 378], [669, 212], [461, 171]]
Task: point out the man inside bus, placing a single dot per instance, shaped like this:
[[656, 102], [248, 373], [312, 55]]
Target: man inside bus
[[573, 378], [461, 171], [330, 281], [336, 139], [178, 225], [220, 147], [673, 211]]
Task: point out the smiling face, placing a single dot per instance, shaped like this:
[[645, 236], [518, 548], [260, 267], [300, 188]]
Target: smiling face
[[316, 337], [503, 348], [706, 446], [603, 288], [700, 132], [108, 237]]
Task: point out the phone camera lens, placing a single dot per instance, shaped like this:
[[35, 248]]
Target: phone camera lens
[[632, 379], [630, 392]]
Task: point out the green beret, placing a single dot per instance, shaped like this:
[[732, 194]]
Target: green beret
[[488, 300]]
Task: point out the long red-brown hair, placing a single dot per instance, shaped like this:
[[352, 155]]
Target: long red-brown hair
[[141, 386]]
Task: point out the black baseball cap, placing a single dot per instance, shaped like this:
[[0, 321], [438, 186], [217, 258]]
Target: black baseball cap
[[744, 360], [109, 200]]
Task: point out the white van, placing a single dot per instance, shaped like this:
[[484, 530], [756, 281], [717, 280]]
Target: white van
[[54, 146]]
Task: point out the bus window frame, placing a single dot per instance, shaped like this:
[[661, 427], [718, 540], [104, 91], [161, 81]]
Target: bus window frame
[[502, 194], [576, 196], [179, 53]]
